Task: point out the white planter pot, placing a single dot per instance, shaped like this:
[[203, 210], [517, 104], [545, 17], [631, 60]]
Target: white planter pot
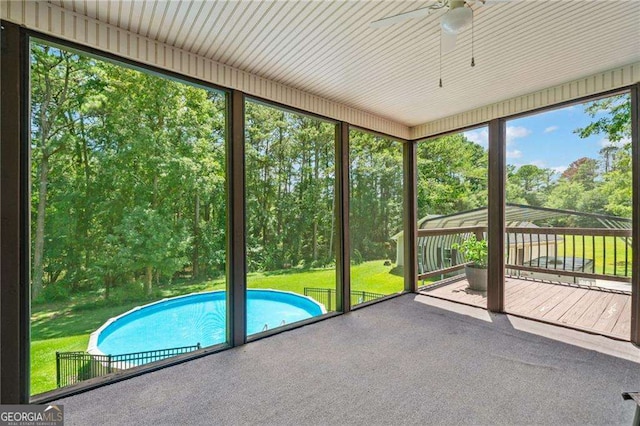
[[477, 278]]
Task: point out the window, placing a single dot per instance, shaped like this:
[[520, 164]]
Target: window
[[290, 221], [128, 208], [569, 202], [376, 216], [452, 196]]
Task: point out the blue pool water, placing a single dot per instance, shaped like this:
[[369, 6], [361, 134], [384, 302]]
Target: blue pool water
[[197, 318]]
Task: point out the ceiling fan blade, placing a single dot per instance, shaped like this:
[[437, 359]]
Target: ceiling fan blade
[[448, 41], [390, 20]]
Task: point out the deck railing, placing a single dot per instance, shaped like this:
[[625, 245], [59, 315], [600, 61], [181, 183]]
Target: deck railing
[[591, 253], [73, 367], [430, 265], [546, 253], [327, 296]]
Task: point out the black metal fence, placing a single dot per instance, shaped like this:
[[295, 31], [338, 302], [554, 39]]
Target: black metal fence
[[327, 296], [74, 367]]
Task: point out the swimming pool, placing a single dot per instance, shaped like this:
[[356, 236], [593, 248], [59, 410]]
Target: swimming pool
[[196, 318]]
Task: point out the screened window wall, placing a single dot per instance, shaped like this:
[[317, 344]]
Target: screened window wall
[[569, 205], [291, 239], [128, 217], [375, 216], [452, 192]]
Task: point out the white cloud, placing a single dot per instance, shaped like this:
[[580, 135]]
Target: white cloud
[[622, 142], [559, 169], [538, 163], [551, 129], [516, 132], [514, 154], [481, 137]]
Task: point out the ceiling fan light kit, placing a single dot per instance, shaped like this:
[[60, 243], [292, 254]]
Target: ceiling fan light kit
[[457, 18]]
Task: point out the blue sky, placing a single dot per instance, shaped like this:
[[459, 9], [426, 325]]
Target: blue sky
[[547, 139]]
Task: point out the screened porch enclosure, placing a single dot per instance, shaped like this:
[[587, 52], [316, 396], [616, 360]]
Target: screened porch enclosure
[[154, 151]]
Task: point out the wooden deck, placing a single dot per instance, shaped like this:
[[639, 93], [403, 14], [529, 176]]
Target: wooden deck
[[604, 312]]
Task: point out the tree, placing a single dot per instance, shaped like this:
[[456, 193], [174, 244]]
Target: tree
[[609, 153], [533, 182], [617, 187], [613, 120], [579, 188], [375, 203], [452, 175], [290, 178], [59, 86], [566, 195], [146, 240], [128, 169], [584, 170], [155, 164]]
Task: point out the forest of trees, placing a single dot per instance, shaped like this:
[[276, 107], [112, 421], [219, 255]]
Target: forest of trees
[[127, 175], [128, 180], [290, 179], [375, 195]]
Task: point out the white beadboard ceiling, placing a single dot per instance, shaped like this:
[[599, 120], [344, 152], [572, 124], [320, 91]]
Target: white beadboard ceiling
[[326, 48]]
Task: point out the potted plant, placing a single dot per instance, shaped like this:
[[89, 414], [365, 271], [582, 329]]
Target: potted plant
[[474, 251]]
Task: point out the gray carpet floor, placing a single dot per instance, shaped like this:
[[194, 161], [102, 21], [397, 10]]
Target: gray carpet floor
[[397, 362]]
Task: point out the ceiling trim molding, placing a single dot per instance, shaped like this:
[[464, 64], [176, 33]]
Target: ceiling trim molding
[[71, 26], [592, 85]]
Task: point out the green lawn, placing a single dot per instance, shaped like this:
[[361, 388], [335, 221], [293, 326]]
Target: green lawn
[[604, 249], [43, 359], [66, 326], [370, 276]]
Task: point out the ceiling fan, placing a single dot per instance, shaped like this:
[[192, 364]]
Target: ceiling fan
[[458, 17]]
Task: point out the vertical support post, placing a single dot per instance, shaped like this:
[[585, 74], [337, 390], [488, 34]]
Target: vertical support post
[[343, 256], [496, 212], [410, 207], [14, 227], [57, 369], [236, 239], [635, 215]]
